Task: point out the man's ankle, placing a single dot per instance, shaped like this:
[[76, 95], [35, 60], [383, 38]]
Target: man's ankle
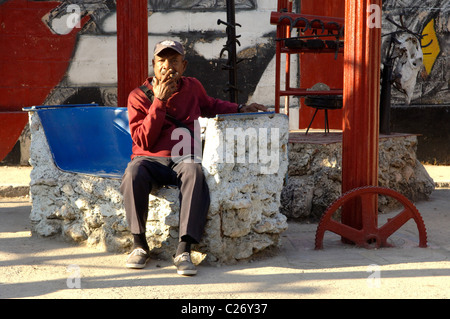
[[183, 247], [140, 241]]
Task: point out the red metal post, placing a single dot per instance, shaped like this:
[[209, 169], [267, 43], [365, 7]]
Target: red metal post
[[132, 47], [359, 224], [361, 109]]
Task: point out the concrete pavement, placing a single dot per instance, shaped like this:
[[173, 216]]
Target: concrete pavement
[[34, 267]]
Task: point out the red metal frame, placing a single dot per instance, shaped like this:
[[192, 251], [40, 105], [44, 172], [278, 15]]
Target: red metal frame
[[283, 23]]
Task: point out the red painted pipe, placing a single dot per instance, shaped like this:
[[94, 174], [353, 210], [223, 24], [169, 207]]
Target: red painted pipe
[[361, 109], [132, 47]]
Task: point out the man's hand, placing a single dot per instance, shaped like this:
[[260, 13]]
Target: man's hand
[[254, 107], [163, 89]]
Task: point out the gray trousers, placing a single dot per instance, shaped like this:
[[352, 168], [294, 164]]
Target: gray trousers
[[144, 173]]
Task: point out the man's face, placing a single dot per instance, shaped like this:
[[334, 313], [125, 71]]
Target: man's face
[[169, 61]]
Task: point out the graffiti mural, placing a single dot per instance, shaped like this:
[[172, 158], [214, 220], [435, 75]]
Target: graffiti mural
[[92, 73], [170, 5], [431, 47], [70, 48], [61, 52], [33, 60], [430, 20]]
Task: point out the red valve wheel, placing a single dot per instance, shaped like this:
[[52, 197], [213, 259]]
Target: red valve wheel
[[370, 233]]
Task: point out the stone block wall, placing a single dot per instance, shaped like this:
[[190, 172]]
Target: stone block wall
[[244, 216], [315, 175], [245, 186], [252, 192]]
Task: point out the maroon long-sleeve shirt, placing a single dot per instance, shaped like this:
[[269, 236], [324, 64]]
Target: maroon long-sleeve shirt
[[150, 129]]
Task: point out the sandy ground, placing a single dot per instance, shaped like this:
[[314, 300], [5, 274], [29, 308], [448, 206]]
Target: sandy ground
[[35, 267]]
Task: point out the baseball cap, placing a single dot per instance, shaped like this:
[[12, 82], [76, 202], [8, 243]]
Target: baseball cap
[[169, 44]]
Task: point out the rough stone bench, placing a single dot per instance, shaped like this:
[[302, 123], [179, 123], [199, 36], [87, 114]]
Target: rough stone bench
[[78, 156], [315, 169]]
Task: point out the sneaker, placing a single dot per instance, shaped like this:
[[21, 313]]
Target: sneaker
[[138, 258], [184, 265]]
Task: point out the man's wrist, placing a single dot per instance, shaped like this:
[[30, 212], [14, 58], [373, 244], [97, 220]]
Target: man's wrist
[[162, 100], [240, 106]]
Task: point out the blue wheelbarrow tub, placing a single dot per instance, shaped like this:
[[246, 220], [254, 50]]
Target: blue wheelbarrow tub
[[92, 140]]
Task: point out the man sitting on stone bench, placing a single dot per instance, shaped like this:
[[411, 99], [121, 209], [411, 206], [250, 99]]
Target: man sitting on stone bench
[[164, 103]]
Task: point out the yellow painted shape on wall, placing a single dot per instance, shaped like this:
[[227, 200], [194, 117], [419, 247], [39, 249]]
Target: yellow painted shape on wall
[[431, 52]]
